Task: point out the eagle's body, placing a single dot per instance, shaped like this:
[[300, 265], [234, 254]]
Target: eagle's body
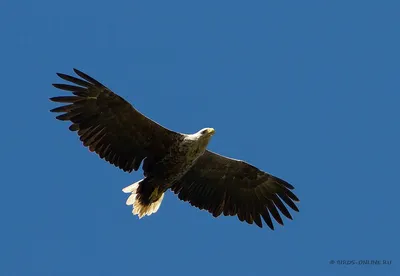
[[181, 156], [147, 194], [118, 133]]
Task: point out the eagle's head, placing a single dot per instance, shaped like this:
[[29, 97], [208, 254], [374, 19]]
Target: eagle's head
[[202, 137], [206, 132]]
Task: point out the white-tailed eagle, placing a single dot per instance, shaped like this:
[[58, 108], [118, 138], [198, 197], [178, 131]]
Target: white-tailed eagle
[[119, 134]]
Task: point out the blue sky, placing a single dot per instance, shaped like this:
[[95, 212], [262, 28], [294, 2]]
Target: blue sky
[[305, 90]]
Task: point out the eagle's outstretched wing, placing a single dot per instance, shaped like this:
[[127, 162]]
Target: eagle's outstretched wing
[[233, 187], [109, 125]]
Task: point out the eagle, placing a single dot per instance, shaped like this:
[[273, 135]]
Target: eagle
[[118, 133]]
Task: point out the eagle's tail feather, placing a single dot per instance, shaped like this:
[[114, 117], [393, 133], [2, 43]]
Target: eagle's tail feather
[[139, 208]]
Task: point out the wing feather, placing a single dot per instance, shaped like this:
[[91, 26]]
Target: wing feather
[[227, 186], [109, 125]]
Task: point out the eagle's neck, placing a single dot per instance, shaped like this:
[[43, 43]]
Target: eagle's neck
[[194, 145]]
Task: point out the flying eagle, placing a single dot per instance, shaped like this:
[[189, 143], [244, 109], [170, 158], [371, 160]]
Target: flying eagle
[[121, 135]]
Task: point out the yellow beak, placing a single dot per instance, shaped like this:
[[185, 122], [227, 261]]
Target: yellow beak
[[211, 131]]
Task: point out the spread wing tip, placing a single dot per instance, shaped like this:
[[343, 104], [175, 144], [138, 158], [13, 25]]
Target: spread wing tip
[[87, 78], [283, 183], [61, 75]]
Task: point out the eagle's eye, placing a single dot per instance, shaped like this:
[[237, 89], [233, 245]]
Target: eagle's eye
[[204, 131]]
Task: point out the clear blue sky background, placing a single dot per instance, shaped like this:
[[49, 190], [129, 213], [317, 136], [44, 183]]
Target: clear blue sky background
[[305, 90]]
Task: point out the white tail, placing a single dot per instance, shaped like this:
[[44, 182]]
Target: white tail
[[138, 208]]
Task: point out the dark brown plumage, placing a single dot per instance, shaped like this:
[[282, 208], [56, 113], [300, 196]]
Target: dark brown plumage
[[232, 187], [109, 125], [118, 133]]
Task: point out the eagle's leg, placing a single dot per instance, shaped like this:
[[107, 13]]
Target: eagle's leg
[[146, 197]]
